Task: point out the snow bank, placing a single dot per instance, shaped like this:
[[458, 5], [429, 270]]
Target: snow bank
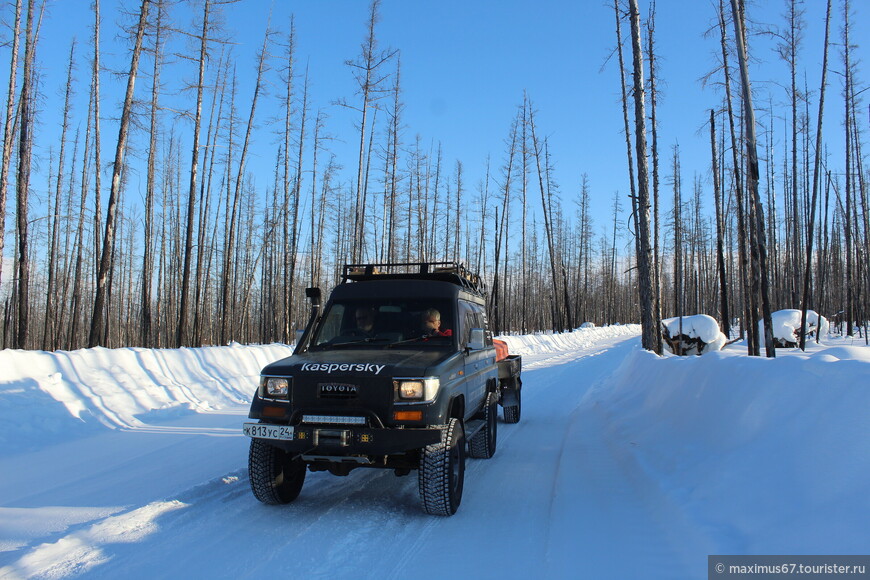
[[49, 397], [580, 338], [700, 334], [786, 326], [46, 397], [760, 451]]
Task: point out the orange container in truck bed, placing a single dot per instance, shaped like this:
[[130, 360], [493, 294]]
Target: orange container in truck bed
[[501, 349]]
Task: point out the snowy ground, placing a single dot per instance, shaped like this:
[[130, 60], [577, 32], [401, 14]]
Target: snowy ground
[[130, 463]]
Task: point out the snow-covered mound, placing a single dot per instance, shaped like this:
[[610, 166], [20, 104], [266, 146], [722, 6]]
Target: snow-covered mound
[[700, 334], [786, 326], [46, 397], [770, 453]]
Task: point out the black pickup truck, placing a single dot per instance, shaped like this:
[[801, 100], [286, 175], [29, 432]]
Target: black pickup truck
[[396, 371]]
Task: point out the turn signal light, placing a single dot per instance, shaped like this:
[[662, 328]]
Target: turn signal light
[[408, 415], [273, 411]]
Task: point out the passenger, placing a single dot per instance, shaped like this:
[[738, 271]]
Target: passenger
[[431, 321]]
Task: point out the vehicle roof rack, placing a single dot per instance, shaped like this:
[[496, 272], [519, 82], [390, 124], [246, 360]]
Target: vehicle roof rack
[[453, 272]]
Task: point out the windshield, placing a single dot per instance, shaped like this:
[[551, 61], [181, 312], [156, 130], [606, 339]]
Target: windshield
[[386, 323]]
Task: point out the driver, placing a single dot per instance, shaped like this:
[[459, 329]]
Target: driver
[[365, 319], [431, 323]]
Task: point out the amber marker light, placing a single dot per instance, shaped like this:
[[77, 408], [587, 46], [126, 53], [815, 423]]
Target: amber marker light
[[408, 415], [273, 411]]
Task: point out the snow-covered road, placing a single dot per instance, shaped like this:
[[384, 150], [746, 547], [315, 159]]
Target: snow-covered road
[[571, 492]]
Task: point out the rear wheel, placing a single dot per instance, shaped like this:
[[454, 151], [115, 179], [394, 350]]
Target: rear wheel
[[276, 476], [512, 412], [482, 445], [441, 475]]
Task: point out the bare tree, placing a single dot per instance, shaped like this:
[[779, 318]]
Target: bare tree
[[181, 329], [644, 253], [367, 74], [148, 258], [96, 101], [816, 177], [50, 326], [25, 151], [8, 132], [96, 333], [788, 51], [654, 94], [752, 181], [747, 320], [679, 275], [558, 324], [226, 282], [725, 315]]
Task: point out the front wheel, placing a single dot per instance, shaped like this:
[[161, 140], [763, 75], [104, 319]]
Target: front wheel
[[276, 476], [441, 475]]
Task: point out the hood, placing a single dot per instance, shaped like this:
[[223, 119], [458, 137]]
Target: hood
[[362, 363]]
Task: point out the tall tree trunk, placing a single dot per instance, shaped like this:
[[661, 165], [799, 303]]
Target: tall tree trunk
[[51, 323], [369, 62], [816, 177], [98, 162], [204, 256], [644, 255], [145, 336], [679, 238], [25, 150], [558, 324], [181, 334], [748, 322], [294, 221], [228, 257], [96, 333], [850, 314], [752, 180], [657, 279], [720, 250], [8, 132]]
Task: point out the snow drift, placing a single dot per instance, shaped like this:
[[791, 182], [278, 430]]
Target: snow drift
[[48, 397], [770, 455]]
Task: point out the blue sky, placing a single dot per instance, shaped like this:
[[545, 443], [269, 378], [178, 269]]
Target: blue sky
[[466, 65]]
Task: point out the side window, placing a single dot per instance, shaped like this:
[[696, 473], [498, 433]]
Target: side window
[[466, 321], [480, 322], [331, 325]]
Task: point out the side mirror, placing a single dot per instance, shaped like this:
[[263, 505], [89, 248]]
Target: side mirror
[[477, 340], [313, 295], [299, 333]]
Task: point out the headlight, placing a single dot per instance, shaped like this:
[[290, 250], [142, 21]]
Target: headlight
[[274, 387], [416, 390]]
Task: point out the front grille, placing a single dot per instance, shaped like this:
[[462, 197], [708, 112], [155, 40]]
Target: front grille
[[337, 391]]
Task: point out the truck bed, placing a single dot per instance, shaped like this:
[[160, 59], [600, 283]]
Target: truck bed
[[510, 367]]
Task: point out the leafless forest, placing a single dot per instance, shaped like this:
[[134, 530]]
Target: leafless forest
[[205, 257]]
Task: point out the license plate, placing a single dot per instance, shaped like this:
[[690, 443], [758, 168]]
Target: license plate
[[264, 431]]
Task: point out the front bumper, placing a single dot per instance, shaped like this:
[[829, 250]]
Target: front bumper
[[347, 440]]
